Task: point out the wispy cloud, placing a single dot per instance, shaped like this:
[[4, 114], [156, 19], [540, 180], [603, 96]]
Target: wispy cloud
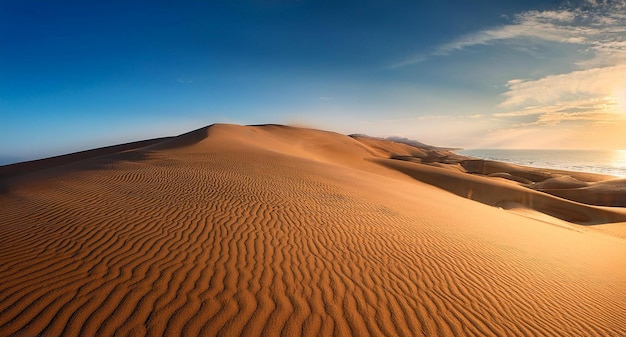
[[411, 60], [593, 94], [562, 26], [598, 26]]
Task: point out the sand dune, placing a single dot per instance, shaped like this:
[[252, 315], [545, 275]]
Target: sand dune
[[604, 193], [272, 230], [501, 194], [588, 188]]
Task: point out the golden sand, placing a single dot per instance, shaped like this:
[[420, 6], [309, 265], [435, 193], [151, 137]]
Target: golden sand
[[281, 231]]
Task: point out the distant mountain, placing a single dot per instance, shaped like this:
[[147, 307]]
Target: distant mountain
[[408, 141]]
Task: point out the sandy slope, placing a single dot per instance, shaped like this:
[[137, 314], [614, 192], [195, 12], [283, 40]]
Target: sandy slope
[[273, 230]]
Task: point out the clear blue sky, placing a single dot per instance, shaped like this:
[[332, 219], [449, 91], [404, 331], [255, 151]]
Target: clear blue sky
[[81, 74]]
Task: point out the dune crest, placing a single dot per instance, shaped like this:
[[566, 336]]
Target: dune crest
[[272, 230]]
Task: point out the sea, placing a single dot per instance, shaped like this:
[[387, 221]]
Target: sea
[[612, 162]]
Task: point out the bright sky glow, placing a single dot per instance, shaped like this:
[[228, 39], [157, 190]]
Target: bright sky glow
[[490, 74], [619, 95]]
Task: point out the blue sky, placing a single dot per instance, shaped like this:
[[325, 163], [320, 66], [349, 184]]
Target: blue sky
[[491, 74]]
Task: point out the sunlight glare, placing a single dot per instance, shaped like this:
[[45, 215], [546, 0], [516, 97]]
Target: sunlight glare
[[620, 97], [619, 161]]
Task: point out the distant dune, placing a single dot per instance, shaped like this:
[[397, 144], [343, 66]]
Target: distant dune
[[272, 230]]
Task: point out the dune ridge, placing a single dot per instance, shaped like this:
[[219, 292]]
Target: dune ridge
[[274, 230]]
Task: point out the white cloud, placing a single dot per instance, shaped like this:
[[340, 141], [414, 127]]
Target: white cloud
[[566, 88], [590, 98], [584, 96]]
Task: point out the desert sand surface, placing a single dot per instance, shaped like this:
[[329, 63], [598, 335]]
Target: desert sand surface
[[281, 231]]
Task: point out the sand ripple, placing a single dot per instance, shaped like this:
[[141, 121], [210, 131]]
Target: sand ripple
[[263, 243]]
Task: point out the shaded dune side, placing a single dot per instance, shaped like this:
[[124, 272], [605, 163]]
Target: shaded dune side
[[562, 182], [388, 149], [606, 193], [403, 151], [181, 141], [487, 167], [588, 188], [47, 163], [500, 194], [257, 243]]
